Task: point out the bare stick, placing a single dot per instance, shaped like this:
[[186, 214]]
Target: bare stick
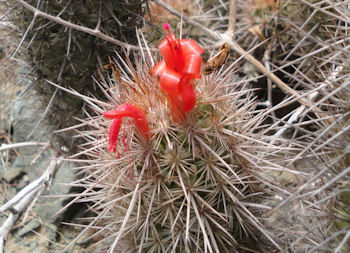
[[4, 146], [188, 20], [266, 60], [94, 32], [328, 13], [341, 244], [228, 39], [46, 178], [284, 87], [232, 19], [23, 37], [8, 12], [25, 198], [40, 153]]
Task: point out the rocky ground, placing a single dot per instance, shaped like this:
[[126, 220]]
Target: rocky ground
[[39, 230]]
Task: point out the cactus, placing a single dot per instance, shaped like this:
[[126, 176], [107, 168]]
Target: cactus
[[196, 183]]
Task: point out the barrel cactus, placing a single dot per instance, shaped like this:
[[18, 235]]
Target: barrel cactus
[[185, 165]]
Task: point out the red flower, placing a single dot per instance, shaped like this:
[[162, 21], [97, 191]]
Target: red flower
[[181, 65], [125, 110]]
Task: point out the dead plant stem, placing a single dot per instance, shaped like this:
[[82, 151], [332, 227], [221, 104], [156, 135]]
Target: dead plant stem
[[26, 198], [232, 19]]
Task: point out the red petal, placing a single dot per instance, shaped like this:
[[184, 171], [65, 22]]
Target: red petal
[[193, 65], [126, 110], [188, 95], [122, 111], [113, 134], [177, 112], [190, 47], [168, 53], [141, 124], [169, 81], [158, 69], [111, 114]]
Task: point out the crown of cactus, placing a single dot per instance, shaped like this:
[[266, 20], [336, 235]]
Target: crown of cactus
[[186, 168]]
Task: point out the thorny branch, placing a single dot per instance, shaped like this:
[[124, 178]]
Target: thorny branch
[[95, 32], [227, 38], [26, 197]]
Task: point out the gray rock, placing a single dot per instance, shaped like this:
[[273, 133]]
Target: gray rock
[[25, 116], [10, 192], [13, 172], [50, 204], [32, 225], [33, 246]]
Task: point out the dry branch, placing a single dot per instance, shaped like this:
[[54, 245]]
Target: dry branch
[[232, 18], [25, 198], [5, 146], [95, 32]]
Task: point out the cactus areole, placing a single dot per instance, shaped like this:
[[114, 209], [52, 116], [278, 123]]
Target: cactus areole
[[177, 71]]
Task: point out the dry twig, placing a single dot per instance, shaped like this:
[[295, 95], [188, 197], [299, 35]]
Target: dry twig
[[26, 197], [5, 146], [232, 18]]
